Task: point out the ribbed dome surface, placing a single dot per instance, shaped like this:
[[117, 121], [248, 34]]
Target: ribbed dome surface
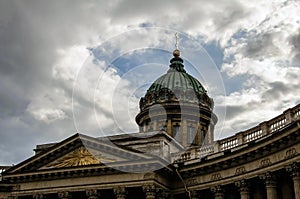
[[176, 86], [175, 80]]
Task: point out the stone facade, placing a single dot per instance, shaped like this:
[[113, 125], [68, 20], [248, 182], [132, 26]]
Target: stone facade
[[266, 167]]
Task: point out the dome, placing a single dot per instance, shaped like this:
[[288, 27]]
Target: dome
[[176, 85], [175, 80], [178, 104]]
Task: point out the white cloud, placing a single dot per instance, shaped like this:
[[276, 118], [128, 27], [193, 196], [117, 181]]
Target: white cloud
[[48, 115], [261, 53], [69, 62], [45, 49]]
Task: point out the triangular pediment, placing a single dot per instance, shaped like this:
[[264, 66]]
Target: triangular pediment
[[77, 151], [81, 157]]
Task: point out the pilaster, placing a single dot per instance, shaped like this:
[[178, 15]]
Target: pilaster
[[184, 132]]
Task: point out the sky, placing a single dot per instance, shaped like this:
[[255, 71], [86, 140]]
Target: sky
[[82, 66]]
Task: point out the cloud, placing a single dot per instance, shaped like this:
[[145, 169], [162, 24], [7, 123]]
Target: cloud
[[43, 51]]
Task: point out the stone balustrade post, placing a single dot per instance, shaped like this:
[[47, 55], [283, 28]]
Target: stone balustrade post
[[240, 137], [243, 187], [120, 192], [271, 187], [218, 192], [294, 171], [150, 191], [92, 194], [217, 147], [264, 127], [288, 116]]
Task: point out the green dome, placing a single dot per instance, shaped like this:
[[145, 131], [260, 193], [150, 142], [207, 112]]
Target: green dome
[[177, 79], [176, 86]]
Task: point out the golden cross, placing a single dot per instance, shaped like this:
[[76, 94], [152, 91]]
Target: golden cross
[[176, 44]]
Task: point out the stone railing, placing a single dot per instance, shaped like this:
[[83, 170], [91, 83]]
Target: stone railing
[[261, 130], [194, 153], [205, 150], [257, 132]]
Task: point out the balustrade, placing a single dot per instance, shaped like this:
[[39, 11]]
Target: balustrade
[[265, 128]]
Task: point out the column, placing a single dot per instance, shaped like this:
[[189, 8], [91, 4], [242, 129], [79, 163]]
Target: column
[[243, 189], [195, 195], [120, 192], [64, 195], [92, 194], [218, 192], [38, 196], [294, 171], [150, 191], [270, 182]]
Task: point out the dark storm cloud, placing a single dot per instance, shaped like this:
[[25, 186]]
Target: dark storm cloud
[[30, 34], [233, 111], [231, 14], [12, 101], [278, 91]]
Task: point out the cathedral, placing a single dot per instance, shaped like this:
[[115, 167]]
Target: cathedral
[[174, 155]]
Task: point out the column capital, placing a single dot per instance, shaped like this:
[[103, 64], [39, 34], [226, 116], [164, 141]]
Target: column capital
[[92, 193], [242, 185], [38, 196], [195, 194], [63, 195], [269, 179], [150, 190], [162, 194], [293, 169], [120, 192], [217, 191]]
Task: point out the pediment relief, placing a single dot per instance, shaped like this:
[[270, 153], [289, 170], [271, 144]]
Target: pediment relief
[[75, 151], [79, 157]]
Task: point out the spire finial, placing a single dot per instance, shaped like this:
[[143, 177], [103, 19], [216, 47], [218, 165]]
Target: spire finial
[[176, 44], [176, 52]]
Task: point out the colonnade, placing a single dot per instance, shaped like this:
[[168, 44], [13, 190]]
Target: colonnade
[[243, 187], [269, 179]]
